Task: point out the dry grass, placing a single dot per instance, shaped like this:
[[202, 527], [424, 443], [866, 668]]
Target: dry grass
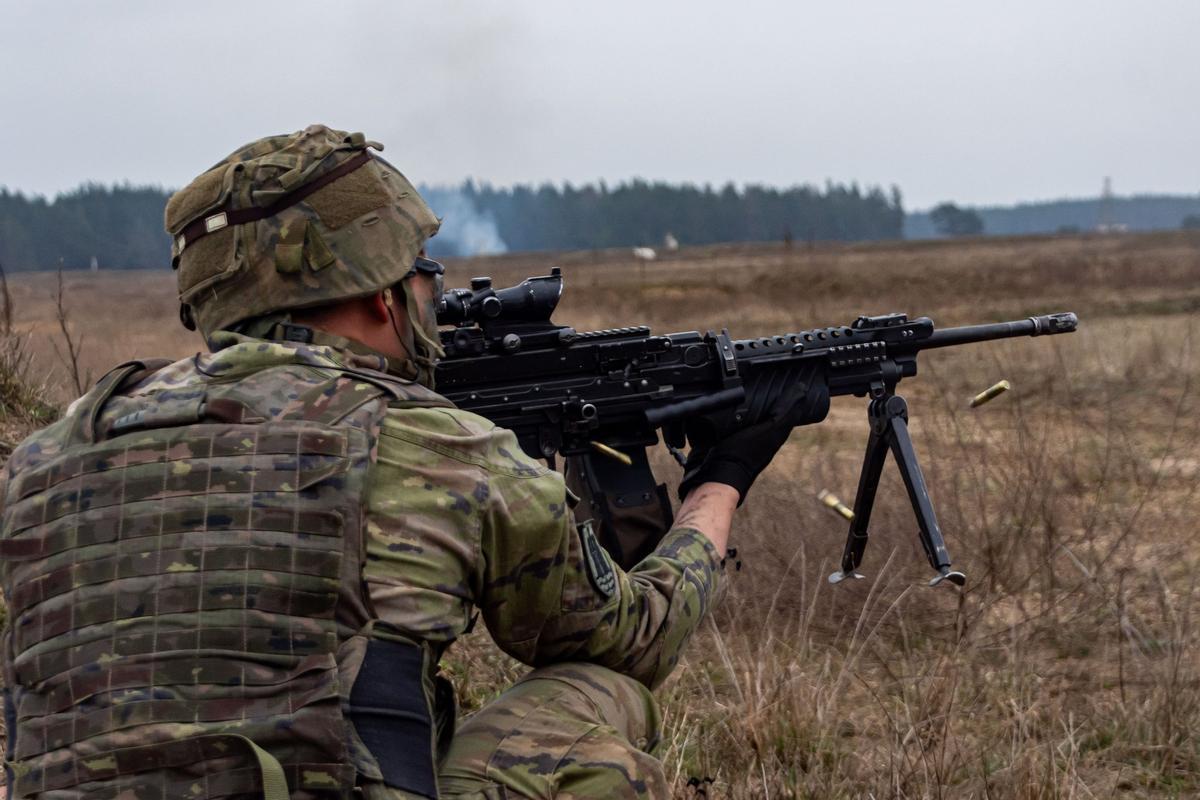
[[1069, 667]]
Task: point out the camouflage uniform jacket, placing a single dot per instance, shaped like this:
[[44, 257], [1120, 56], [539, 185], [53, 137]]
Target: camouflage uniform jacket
[[455, 517]]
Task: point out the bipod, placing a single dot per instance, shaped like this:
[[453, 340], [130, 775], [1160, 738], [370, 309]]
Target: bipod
[[888, 414]]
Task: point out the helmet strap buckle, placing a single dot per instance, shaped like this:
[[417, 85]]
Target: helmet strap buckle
[[289, 332]]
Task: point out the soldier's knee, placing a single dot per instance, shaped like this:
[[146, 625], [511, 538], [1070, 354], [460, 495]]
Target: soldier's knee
[[604, 697], [568, 730]]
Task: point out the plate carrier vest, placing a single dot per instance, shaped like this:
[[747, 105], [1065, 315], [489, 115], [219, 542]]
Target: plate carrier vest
[[187, 615]]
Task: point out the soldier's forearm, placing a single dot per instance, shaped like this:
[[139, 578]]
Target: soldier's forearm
[[709, 509]]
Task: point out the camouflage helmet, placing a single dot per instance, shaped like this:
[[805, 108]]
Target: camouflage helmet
[[292, 221]]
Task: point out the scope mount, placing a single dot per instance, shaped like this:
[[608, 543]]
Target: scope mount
[[888, 415]]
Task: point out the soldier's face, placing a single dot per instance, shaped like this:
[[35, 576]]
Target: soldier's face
[[427, 291], [426, 288], [424, 278]]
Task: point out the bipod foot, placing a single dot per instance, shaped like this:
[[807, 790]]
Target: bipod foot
[[955, 577], [839, 576]]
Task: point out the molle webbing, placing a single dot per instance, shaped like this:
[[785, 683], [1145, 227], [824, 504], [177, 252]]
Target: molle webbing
[[184, 590], [211, 223], [242, 768], [216, 548]]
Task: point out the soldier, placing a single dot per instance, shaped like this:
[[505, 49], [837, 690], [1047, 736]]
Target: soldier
[[234, 575]]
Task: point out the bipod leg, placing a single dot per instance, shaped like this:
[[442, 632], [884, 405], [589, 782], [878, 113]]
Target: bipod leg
[[914, 481], [864, 499]]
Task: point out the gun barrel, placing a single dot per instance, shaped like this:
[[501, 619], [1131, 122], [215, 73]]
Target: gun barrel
[[1047, 325]]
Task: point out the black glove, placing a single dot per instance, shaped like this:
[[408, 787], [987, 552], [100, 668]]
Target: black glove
[[779, 401]]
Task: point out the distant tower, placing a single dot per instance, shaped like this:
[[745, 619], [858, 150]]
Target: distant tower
[[1107, 222]]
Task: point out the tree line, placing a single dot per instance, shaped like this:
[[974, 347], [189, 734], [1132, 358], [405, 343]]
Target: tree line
[[1132, 213], [120, 227], [645, 213]]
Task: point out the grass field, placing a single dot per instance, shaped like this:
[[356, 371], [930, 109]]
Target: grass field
[[1069, 667]]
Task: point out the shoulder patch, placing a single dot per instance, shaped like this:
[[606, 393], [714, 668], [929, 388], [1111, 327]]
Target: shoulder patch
[[596, 561]]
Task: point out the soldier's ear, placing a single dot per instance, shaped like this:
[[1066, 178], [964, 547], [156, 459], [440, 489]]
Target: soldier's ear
[[379, 306]]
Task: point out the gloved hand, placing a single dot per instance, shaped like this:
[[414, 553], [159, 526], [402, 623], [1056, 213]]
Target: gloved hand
[[736, 456]]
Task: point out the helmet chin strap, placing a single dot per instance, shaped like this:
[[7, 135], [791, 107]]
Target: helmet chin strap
[[425, 351], [388, 301]]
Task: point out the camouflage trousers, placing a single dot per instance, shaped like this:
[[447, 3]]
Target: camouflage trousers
[[568, 731]]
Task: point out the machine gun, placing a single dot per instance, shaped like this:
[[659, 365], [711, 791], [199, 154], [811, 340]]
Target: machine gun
[[569, 392]]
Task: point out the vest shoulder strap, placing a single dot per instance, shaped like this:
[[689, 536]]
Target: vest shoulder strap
[[84, 415]]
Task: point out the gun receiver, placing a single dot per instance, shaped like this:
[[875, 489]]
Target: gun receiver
[[560, 390]]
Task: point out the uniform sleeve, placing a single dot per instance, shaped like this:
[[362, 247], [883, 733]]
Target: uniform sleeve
[[550, 593]]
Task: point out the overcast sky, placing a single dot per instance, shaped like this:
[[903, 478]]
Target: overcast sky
[[972, 100]]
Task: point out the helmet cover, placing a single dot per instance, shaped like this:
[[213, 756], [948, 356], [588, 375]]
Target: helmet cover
[[321, 227]]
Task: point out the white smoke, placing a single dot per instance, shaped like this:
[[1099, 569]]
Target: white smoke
[[465, 231]]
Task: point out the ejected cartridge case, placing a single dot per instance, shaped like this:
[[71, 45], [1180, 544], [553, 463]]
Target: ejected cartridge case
[[830, 499], [990, 393], [612, 453]]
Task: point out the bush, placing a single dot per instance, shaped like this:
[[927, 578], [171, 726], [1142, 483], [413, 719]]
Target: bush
[[950, 220], [23, 402]]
